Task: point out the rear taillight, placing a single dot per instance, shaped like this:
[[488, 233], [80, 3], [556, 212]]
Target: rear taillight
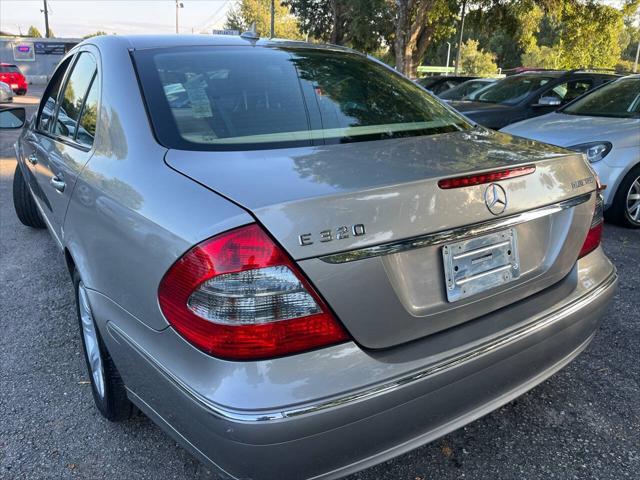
[[594, 235], [239, 296]]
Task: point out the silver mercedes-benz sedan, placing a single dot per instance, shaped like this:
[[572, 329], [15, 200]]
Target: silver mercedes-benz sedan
[[296, 261]]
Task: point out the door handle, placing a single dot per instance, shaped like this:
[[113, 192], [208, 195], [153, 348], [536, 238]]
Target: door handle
[[33, 159], [58, 184]]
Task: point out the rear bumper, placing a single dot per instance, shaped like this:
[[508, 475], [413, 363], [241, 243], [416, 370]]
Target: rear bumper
[[323, 437]]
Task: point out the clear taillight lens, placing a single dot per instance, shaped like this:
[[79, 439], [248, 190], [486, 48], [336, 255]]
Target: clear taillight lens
[[239, 296], [594, 236]]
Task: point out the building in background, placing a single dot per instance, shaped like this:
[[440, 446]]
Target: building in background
[[36, 57]]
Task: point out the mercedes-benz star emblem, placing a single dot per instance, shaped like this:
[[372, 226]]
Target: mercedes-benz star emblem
[[495, 198]]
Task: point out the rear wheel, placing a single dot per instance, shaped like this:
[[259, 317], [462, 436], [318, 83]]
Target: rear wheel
[[24, 203], [625, 209], [107, 387]]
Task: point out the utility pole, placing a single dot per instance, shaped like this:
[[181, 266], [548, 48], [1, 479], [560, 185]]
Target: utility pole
[[464, 9], [635, 64], [448, 58], [273, 18], [179, 5], [46, 20]]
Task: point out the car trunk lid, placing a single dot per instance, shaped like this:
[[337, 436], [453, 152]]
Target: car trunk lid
[[327, 204]]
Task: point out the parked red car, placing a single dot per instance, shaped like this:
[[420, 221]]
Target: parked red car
[[12, 75]]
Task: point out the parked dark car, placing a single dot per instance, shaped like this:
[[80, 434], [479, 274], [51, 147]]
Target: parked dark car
[[528, 95], [440, 83]]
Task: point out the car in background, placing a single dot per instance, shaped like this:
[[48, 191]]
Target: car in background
[[6, 94], [280, 249], [11, 75], [438, 84], [605, 126], [527, 95], [466, 90]]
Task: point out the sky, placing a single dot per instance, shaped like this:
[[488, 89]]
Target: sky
[[76, 18]]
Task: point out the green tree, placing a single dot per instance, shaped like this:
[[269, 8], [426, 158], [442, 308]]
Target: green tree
[[95, 34], [589, 35], [475, 61], [361, 24], [34, 32], [259, 11], [542, 57]]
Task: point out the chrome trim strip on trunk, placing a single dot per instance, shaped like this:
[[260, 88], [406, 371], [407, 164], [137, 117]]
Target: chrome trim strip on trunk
[[454, 234], [448, 364]]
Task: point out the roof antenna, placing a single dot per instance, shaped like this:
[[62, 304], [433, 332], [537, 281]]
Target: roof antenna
[[250, 34]]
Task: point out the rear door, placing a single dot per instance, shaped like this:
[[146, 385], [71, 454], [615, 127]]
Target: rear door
[[64, 142]]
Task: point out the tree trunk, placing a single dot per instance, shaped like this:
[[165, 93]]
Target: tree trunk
[[402, 33], [337, 31]]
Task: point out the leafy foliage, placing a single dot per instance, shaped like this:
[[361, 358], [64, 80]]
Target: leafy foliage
[[259, 11], [475, 61], [95, 34], [34, 32]]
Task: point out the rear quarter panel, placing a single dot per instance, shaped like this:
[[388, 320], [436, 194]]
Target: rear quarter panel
[[131, 216]]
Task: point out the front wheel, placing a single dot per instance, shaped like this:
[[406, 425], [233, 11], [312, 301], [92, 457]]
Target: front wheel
[[109, 393], [625, 209]]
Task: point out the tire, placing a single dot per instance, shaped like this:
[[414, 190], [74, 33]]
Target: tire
[[23, 203], [624, 210], [107, 387]]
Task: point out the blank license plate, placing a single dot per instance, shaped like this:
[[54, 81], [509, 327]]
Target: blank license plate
[[479, 264]]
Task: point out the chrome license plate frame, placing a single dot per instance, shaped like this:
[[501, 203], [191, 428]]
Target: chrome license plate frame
[[480, 264]]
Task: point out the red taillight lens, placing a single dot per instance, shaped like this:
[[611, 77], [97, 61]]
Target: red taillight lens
[[479, 179], [239, 296], [594, 235]]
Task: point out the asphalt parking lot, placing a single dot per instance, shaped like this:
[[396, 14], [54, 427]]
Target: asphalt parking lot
[[583, 423]]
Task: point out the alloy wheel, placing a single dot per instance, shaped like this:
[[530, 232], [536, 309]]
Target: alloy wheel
[[91, 344], [633, 201]]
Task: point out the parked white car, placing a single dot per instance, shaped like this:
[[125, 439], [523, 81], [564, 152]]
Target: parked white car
[[6, 94], [605, 125]]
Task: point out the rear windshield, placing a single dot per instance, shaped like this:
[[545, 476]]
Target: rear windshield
[[512, 90], [9, 69], [236, 98], [619, 99]]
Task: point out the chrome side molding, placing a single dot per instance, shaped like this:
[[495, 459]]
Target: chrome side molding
[[455, 234]]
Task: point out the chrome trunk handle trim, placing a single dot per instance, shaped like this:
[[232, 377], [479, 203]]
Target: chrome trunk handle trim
[[454, 234]]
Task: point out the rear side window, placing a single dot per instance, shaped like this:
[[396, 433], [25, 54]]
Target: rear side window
[[9, 69], [235, 98], [87, 127], [48, 102], [72, 99]]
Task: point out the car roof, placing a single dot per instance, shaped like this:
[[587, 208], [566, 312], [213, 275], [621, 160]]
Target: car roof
[[142, 42], [562, 73], [7, 64]]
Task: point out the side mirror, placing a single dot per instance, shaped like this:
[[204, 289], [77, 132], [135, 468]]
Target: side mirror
[[548, 102], [12, 118]]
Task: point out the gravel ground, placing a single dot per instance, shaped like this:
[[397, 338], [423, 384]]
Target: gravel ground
[[583, 423]]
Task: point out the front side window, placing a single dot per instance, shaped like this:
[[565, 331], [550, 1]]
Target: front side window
[[232, 98], [568, 91], [512, 90], [73, 97], [48, 102], [619, 99]]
